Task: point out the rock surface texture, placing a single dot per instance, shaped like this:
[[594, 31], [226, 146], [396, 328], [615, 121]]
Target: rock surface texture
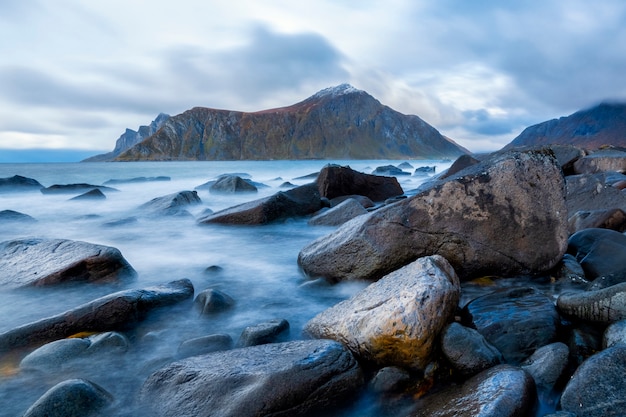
[[503, 216]]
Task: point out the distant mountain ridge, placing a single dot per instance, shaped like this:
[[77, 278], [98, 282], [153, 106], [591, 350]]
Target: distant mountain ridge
[[339, 122], [130, 138], [604, 124]]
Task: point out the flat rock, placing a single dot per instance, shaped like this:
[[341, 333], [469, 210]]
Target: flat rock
[[469, 219], [205, 344], [395, 321], [213, 301], [39, 262], [71, 398], [117, 311], [282, 379], [604, 306], [597, 387], [501, 391], [336, 181]]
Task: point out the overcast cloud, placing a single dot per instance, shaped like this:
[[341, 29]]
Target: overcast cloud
[[74, 74]]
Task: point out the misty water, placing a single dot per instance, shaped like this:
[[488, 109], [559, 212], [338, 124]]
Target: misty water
[[258, 263]]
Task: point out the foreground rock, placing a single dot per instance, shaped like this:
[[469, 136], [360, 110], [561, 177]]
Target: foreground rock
[[286, 379], [38, 262], [395, 321], [174, 204], [71, 398], [503, 216], [19, 183], [117, 311], [299, 201], [597, 387], [336, 181], [502, 391]]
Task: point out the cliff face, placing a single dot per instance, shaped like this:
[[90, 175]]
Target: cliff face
[[130, 138], [336, 123], [590, 129]]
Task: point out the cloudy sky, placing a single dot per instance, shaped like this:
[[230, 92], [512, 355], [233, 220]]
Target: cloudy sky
[[74, 74]]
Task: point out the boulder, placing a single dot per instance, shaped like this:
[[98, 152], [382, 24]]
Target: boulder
[[172, 204], [282, 379], [347, 210], [74, 188], [395, 321], [425, 170], [229, 184], [462, 162], [600, 252], [94, 194], [213, 301], [271, 331], [597, 387], [366, 202], [39, 262], [546, 365], [120, 310], [614, 334], [389, 170], [467, 350], [613, 218], [602, 160], [336, 181], [591, 192], [390, 379], [55, 355], [204, 344], [299, 201], [71, 398], [603, 306], [469, 219], [517, 321], [501, 391], [19, 183], [15, 216]]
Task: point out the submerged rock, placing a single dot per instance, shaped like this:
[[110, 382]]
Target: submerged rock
[[120, 310], [286, 379], [396, 320], [71, 398], [19, 183], [503, 216], [39, 262]]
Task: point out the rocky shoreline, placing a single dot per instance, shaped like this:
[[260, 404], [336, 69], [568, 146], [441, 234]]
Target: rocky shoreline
[[497, 289]]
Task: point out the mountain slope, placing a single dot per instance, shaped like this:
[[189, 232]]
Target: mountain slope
[[604, 124], [336, 123]]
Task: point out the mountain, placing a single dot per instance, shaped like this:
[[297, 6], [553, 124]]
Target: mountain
[[130, 138], [590, 129], [336, 123]]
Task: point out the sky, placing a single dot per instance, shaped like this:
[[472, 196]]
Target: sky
[[74, 74]]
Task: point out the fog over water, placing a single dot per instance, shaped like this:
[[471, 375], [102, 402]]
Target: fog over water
[[259, 268]]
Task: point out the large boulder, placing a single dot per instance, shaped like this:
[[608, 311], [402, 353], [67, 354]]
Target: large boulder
[[38, 262], [335, 181], [597, 387], [174, 204], [503, 216], [395, 321], [120, 310], [501, 391], [71, 398], [299, 201], [282, 379]]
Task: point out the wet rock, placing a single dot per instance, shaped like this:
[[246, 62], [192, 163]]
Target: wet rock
[[390, 379], [467, 350], [15, 216], [389, 170], [19, 183], [339, 214], [55, 355], [546, 365], [516, 321], [501, 391], [213, 301], [614, 219], [336, 181], [602, 160], [172, 204], [605, 306], [39, 262], [229, 184], [468, 219], [269, 332], [614, 334], [570, 270], [597, 387], [108, 343], [120, 310], [71, 398], [601, 253], [293, 378], [395, 321], [583, 342], [299, 201], [74, 188], [94, 194], [205, 344], [366, 202]]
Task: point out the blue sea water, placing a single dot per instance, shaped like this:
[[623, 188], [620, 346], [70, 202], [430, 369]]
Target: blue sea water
[[259, 268]]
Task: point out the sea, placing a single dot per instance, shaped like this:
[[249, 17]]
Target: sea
[[255, 265]]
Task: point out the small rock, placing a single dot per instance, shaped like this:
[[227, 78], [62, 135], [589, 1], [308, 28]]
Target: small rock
[[546, 365], [94, 194], [205, 344], [229, 184], [389, 170], [172, 204], [213, 301], [390, 379], [71, 398], [467, 350], [15, 216], [269, 332]]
